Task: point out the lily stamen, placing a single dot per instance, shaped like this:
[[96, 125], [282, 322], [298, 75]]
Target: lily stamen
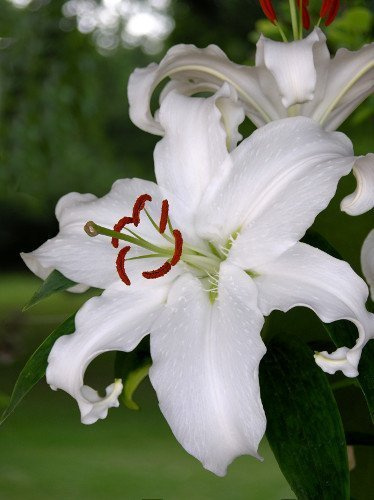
[[157, 273], [138, 207], [178, 247], [164, 216], [119, 226], [120, 265]]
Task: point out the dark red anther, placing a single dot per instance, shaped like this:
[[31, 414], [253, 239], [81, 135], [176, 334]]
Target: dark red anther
[[164, 216], [119, 226], [329, 10], [268, 10], [178, 247], [303, 5], [138, 207], [157, 273], [120, 265]]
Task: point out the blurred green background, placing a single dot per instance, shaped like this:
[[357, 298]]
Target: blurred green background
[[64, 67]]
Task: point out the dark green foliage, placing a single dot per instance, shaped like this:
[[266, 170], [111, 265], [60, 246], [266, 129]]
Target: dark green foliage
[[344, 333], [304, 427]]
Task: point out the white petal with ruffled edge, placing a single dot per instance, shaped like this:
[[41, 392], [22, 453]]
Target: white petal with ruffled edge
[[211, 68], [367, 261], [91, 261], [205, 368], [292, 65], [362, 199], [348, 80], [306, 276], [282, 176], [116, 321]]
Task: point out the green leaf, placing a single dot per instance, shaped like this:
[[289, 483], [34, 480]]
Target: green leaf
[[132, 382], [344, 333], [304, 427], [132, 367], [318, 241], [35, 368], [56, 282]]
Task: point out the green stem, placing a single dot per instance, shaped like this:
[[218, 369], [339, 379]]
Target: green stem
[[282, 33], [293, 19], [300, 22], [170, 240], [93, 229]]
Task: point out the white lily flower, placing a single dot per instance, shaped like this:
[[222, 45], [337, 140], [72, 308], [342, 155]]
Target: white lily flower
[[289, 79], [227, 255], [295, 78], [367, 261]]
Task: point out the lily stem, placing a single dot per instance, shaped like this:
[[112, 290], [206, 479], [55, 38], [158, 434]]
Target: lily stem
[[294, 19], [282, 33]]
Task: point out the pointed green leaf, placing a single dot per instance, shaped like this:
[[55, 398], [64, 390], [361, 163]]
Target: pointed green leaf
[[132, 382], [56, 282], [36, 366], [344, 333], [304, 427], [132, 367]]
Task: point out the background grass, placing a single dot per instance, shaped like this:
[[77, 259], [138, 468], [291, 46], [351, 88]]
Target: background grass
[[48, 454]]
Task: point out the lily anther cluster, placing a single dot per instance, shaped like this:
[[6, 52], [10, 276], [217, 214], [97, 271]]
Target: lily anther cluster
[[199, 258], [204, 261]]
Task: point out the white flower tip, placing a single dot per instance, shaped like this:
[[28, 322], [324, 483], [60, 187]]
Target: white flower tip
[[32, 262], [342, 359], [93, 407]]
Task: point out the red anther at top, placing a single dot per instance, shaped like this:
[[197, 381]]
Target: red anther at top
[[119, 226], [303, 5], [164, 216], [138, 207], [329, 10], [268, 10]]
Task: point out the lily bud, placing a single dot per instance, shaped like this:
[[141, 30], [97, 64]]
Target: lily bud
[[329, 10], [303, 5], [268, 10]]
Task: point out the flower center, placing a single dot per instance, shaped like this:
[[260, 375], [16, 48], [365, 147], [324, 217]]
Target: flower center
[[175, 251]]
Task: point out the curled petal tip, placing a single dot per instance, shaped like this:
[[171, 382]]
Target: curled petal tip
[[338, 360], [95, 407]]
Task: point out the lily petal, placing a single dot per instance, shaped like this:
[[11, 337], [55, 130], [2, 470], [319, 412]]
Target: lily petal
[[292, 65], [205, 368], [362, 200], [306, 276], [367, 261], [91, 261], [349, 79], [117, 320], [254, 196], [192, 149], [210, 67]]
